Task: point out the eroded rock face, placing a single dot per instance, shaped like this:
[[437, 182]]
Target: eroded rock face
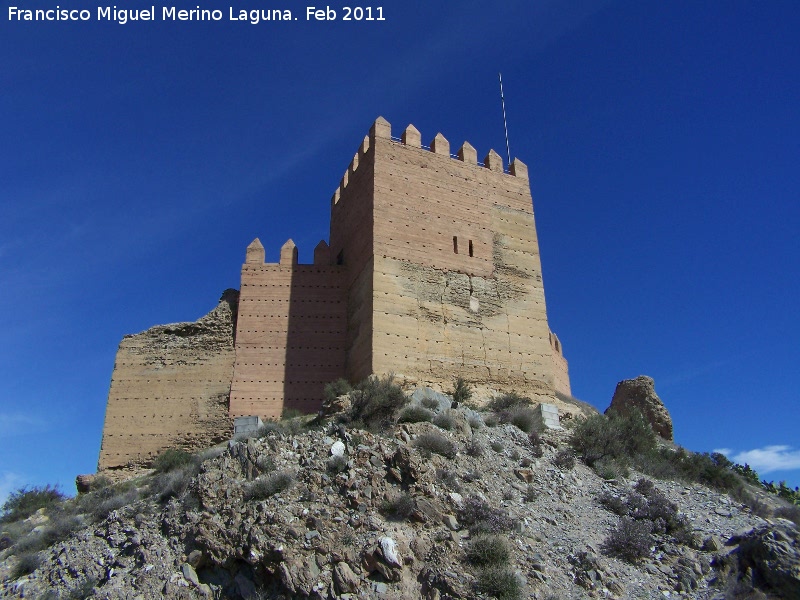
[[772, 552], [640, 393]]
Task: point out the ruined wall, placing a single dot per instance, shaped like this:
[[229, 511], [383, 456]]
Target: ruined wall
[[291, 332], [170, 387], [560, 367]]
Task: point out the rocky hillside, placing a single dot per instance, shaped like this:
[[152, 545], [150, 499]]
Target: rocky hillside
[[459, 504]]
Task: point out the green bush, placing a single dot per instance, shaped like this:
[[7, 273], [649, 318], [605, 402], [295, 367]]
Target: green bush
[[431, 403], [337, 388], [505, 402], [171, 484], [263, 487], [522, 417], [268, 428], [375, 402], [648, 504], [461, 391], [474, 448], [475, 421], [564, 460], [444, 420], [172, 459], [287, 414], [436, 443], [496, 446], [621, 438], [487, 550], [26, 564], [480, 517], [22, 503], [101, 502], [630, 540], [499, 582], [414, 413]]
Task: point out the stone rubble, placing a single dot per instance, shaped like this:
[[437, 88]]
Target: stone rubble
[[329, 535]]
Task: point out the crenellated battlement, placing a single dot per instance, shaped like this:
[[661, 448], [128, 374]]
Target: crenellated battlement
[[431, 271], [412, 138]]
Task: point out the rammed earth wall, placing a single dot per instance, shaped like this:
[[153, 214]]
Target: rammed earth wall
[[432, 273]]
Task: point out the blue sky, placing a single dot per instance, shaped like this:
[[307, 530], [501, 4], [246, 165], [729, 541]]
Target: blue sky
[[139, 160]]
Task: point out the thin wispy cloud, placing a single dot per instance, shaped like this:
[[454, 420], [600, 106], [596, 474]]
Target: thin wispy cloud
[[11, 423], [766, 459]]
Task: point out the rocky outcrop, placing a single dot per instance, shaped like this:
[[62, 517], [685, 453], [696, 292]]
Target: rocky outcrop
[[640, 394], [770, 554], [337, 512]]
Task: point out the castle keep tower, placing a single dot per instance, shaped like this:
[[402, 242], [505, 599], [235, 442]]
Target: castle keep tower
[[433, 272]]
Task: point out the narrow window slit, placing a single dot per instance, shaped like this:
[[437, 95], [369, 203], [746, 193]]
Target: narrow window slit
[[455, 244]]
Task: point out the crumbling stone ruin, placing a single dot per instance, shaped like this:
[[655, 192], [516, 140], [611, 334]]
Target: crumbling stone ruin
[[640, 394], [432, 272]]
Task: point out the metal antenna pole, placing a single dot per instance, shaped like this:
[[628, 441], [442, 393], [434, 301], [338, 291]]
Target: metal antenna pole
[[505, 125]]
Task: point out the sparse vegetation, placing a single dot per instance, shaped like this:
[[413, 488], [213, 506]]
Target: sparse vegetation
[[399, 507], [648, 505], [480, 517], [536, 444], [630, 540], [337, 464], [619, 438], [564, 460], [265, 463], [268, 428], [430, 403], [268, 485], [449, 479], [27, 562], [445, 420], [436, 443], [499, 582], [487, 550], [375, 402], [461, 391], [505, 402], [475, 421], [497, 446], [522, 417], [474, 448], [22, 503], [414, 413], [171, 459], [337, 388]]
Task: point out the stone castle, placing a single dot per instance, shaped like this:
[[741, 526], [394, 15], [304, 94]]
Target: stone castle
[[432, 272]]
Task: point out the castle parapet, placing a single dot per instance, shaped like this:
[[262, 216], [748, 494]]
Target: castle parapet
[[468, 154], [440, 145], [289, 253], [322, 253], [255, 253]]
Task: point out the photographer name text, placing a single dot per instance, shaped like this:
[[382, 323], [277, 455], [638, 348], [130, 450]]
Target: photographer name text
[[123, 16]]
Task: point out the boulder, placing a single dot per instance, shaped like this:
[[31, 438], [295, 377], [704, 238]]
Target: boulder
[[640, 394], [772, 552]]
